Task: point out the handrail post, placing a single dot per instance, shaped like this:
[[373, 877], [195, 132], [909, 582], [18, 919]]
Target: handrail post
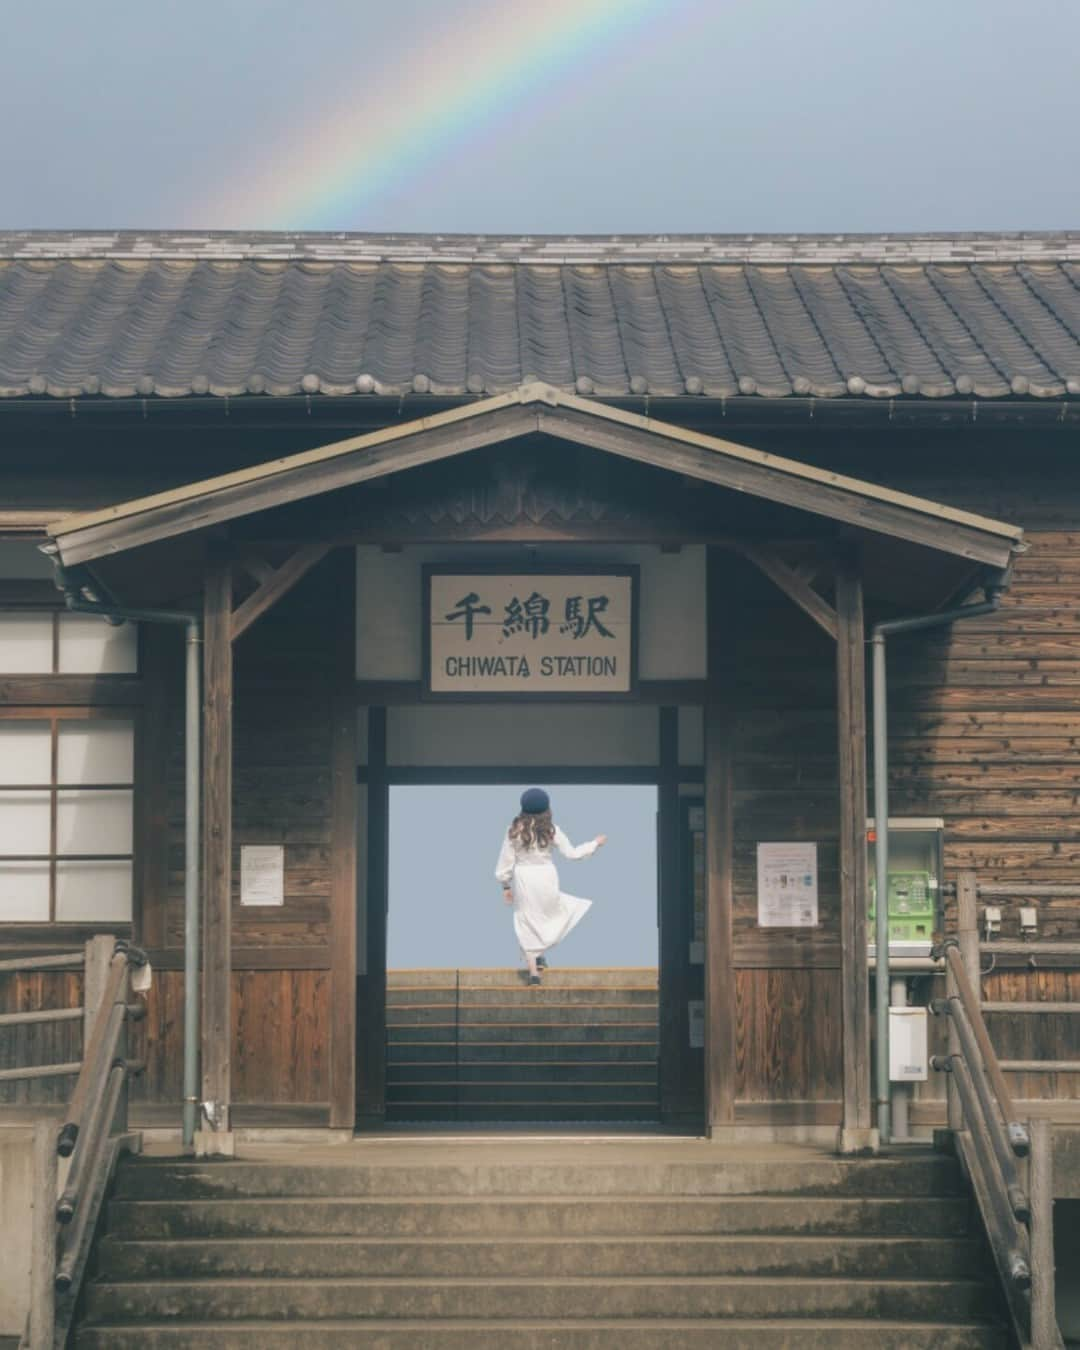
[[99, 955], [1044, 1327], [41, 1321], [967, 926]]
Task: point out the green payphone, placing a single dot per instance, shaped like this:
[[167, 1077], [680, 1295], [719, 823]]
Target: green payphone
[[916, 846]]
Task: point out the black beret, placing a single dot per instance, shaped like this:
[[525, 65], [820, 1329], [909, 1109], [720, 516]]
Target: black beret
[[534, 801]]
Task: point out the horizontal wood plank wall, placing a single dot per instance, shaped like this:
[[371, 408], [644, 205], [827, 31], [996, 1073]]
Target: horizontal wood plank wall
[[985, 732], [44, 1043]]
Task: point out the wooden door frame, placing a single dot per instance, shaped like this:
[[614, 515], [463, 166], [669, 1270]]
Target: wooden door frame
[[666, 776]]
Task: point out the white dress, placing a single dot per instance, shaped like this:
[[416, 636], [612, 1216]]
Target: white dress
[[543, 915]]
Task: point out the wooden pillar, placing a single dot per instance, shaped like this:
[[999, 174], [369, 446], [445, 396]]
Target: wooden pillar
[[371, 1028], [343, 855], [672, 913], [856, 1131], [719, 846], [215, 1137]]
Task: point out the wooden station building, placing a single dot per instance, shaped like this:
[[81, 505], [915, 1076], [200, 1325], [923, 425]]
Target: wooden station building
[[751, 450]]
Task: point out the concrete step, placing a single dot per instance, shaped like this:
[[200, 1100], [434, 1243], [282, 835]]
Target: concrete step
[[549, 1334], [459, 1214], [320, 1258], [521, 992], [567, 1033], [536, 1052], [570, 1175], [617, 977], [543, 1073], [532, 1010], [575, 1297]]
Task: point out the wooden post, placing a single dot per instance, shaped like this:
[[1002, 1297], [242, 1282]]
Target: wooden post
[[967, 930], [719, 845], [343, 857], [216, 1136], [40, 1324], [856, 1131], [371, 1028], [967, 927], [673, 937], [1044, 1327], [99, 955]]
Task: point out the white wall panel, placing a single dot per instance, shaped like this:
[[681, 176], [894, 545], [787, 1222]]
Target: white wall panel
[[389, 604], [505, 734]]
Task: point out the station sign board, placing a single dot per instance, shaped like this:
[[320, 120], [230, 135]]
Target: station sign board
[[522, 634]]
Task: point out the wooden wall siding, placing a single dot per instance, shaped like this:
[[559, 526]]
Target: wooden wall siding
[[985, 731], [280, 1025], [55, 1043], [787, 1035]]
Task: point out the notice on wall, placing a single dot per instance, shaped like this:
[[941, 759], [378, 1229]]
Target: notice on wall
[[787, 885], [262, 874], [530, 634]]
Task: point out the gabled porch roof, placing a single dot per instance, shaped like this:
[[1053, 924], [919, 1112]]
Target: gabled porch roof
[[532, 408]]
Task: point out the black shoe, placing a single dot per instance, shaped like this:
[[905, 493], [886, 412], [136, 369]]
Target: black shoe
[[541, 963], [535, 979]]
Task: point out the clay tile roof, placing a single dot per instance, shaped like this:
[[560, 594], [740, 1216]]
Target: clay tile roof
[[169, 315]]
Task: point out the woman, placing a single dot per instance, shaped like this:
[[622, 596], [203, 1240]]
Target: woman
[[543, 915]]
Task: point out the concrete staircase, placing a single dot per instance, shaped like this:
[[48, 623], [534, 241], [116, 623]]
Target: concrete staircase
[[540, 1245], [483, 1046]]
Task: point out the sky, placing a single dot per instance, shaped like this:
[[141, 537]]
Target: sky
[[446, 908], [534, 116]]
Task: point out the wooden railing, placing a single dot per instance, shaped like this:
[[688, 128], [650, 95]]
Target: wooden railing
[[1008, 1161], [93, 1131]]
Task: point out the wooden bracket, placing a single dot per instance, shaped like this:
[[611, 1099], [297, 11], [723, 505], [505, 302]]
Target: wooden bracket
[[793, 586], [279, 581]]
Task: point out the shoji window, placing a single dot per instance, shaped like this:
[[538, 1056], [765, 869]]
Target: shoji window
[[56, 642], [66, 802]]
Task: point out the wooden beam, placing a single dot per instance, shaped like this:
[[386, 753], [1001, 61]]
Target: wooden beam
[[794, 587], [359, 460], [856, 1130], [343, 828], [255, 565], [280, 581], [217, 844], [403, 693], [719, 848], [852, 503]]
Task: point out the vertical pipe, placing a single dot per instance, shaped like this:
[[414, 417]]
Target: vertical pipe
[[192, 849], [881, 871]]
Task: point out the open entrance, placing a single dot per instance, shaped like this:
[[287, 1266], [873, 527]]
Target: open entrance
[[467, 1038]]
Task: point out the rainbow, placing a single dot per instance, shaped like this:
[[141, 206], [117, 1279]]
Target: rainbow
[[438, 97]]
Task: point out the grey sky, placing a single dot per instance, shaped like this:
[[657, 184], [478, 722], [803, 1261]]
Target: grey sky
[[768, 116], [445, 905]]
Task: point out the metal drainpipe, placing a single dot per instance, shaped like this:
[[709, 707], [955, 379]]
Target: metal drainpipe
[[879, 633], [80, 595]]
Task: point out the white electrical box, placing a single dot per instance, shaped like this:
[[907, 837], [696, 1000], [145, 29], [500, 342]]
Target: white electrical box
[[908, 1055]]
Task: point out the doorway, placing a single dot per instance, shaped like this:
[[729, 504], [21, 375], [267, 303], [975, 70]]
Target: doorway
[[467, 1039]]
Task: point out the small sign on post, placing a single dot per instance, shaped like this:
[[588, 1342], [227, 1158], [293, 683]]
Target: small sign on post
[[530, 634]]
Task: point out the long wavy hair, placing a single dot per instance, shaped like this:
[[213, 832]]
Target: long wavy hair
[[532, 829]]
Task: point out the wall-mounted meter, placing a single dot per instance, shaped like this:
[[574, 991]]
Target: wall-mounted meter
[[914, 903]]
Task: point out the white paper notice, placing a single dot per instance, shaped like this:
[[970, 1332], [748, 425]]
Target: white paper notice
[[787, 885], [262, 874]]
